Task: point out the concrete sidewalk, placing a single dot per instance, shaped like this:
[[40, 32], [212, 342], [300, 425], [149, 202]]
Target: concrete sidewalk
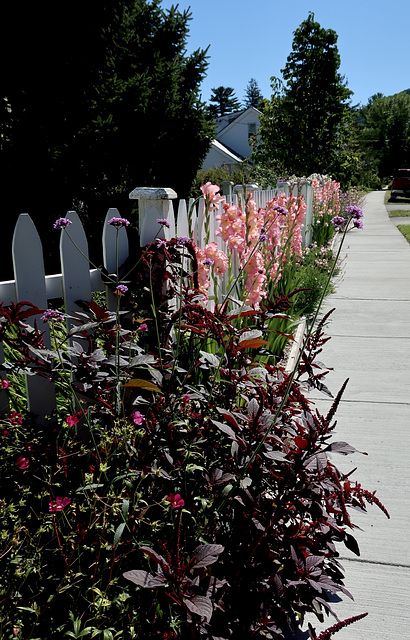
[[370, 345]]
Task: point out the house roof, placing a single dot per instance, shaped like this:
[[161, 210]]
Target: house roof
[[227, 121]]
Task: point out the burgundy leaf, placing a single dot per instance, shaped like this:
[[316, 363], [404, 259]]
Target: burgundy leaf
[[351, 543], [206, 554], [155, 556], [224, 428], [229, 416], [201, 605], [145, 579], [253, 408], [276, 455], [344, 448]]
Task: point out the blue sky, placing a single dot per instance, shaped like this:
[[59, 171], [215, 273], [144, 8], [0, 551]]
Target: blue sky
[[253, 38]]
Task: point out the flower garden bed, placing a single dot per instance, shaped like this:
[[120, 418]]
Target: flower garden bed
[[183, 486]]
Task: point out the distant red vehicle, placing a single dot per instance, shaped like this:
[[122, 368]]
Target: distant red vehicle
[[401, 184]]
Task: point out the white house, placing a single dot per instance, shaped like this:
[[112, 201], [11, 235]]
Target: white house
[[231, 145]]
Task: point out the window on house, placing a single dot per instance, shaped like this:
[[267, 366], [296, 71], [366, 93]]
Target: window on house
[[251, 129]]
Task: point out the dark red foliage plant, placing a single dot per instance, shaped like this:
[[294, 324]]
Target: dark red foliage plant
[[187, 491]]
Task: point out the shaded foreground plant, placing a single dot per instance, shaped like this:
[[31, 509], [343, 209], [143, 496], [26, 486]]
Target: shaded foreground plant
[[184, 487]]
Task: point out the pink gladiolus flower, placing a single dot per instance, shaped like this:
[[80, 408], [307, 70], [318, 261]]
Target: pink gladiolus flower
[[5, 384], [58, 504], [211, 195], [137, 417], [22, 462], [175, 500], [71, 420]]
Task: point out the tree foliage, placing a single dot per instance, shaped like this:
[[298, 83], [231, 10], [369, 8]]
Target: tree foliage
[[98, 98], [304, 124], [223, 100], [383, 130], [253, 95]]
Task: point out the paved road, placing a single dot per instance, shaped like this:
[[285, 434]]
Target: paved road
[[370, 345]]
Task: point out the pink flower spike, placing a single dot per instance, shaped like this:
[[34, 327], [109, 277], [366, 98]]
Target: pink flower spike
[[58, 504], [5, 384], [71, 420], [22, 462], [137, 417], [175, 500]]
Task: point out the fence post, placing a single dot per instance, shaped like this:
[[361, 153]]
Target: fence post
[[153, 204], [31, 286]]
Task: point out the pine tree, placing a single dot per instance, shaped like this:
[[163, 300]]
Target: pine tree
[[223, 101], [253, 95]]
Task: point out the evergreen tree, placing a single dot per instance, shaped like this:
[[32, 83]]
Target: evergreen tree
[[223, 101], [97, 98], [304, 124], [253, 95]]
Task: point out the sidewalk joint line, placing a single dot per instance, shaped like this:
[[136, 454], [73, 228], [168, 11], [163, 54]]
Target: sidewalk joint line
[[384, 564]]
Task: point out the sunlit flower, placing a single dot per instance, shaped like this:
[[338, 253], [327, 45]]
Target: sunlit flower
[[338, 221], [119, 222], [58, 504], [52, 314], [212, 196], [137, 418], [62, 223], [164, 222], [355, 212], [175, 500]]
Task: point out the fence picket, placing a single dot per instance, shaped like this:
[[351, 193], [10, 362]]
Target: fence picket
[[75, 267], [115, 251], [31, 286]]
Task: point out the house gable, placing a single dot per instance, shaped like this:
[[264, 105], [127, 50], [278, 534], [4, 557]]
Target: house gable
[[235, 134]]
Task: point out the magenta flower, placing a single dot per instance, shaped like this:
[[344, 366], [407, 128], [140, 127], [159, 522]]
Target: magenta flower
[[137, 417], [15, 418], [163, 221], [71, 420], [358, 223], [119, 222], [121, 289], [5, 384], [62, 223], [175, 500], [143, 327], [22, 462], [58, 504], [51, 314]]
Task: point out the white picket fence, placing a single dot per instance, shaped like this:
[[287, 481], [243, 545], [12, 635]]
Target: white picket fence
[[77, 281]]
